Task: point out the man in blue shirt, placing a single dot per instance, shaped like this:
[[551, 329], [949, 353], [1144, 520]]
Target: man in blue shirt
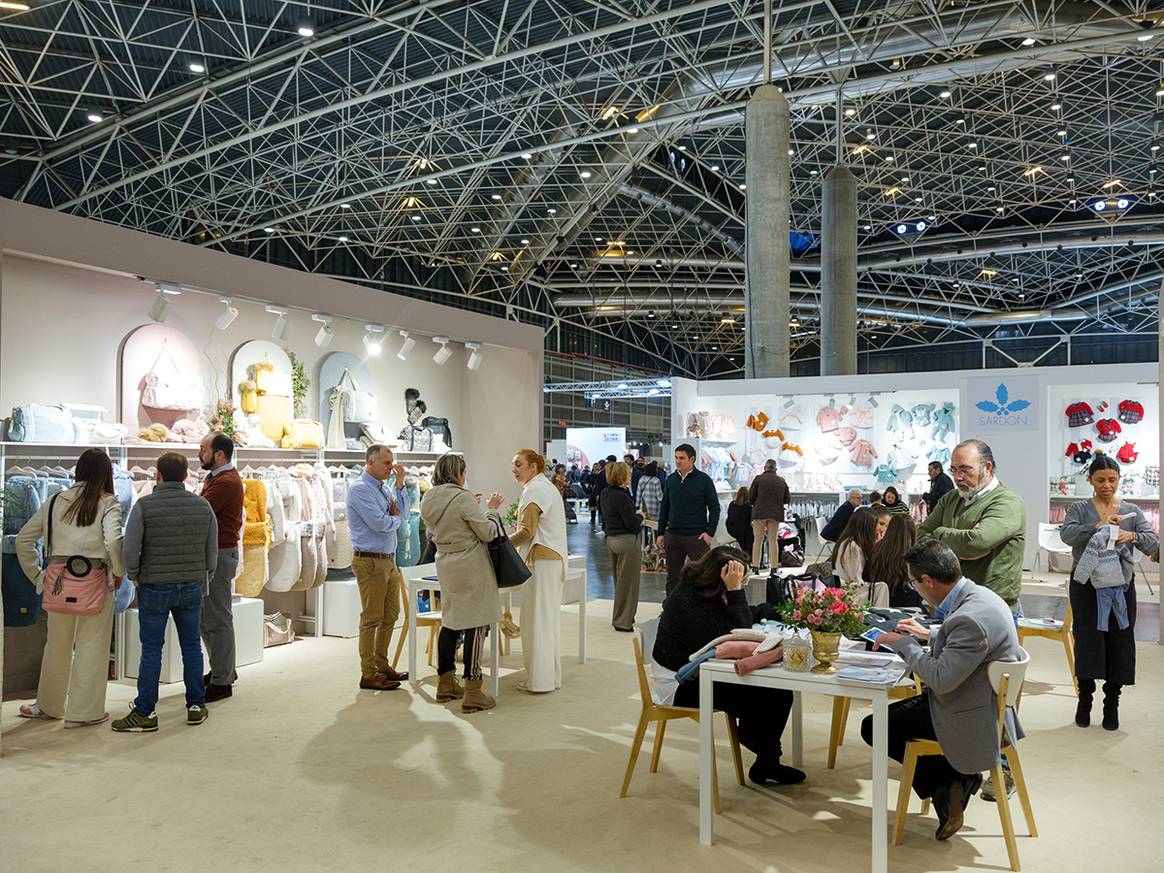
[[375, 513]]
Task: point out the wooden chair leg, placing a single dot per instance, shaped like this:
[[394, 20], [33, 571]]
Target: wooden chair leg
[[835, 732], [432, 632], [400, 642], [734, 739], [844, 721], [1020, 784], [1004, 815], [660, 729], [636, 744], [908, 767], [1069, 649]]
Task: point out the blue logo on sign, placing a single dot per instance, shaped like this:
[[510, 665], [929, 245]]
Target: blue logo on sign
[[1002, 404]]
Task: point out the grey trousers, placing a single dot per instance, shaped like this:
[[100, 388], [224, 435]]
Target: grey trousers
[[626, 555], [218, 620]]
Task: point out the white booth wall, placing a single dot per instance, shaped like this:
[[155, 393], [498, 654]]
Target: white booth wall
[[1027, 445]]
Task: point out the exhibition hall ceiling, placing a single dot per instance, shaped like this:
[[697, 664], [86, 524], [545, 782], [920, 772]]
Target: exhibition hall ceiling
[[580, 163]]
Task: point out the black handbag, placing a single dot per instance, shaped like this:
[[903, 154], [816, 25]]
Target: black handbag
[[508, 566]]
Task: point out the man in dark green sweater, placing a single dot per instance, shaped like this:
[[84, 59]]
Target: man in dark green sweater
[[688, 515], [983, 522]]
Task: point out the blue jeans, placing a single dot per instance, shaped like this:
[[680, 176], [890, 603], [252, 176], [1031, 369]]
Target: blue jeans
[[156, 603]]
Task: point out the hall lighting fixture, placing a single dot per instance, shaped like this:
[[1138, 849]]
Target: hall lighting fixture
[[987, 272], [812, 172], [374, 338], [1156, 148], [585, 174], [1029, 41], [1032, 171], [525, 241], [1144, 37], [195, 67], [1049, 77], [715, 168], [407, 347], [959, 121], [1055, 107], [849, 113], [474, 350], [632, 130], [226, 319], [527, 155], [306, 30], [95, 117], [416, 218], [889, 159], [475, 229], [268, 230], [345, 206], [326, 333], [1160, 90], [1107, 186], [743, 187], [443, 353], [552, 211], [869, 134], [15, 7], [494, 196], [971, 145], [901, 228], [1061, 132], [430, 181], [682, 148], [998, 209], [944, 94], [279, 331]]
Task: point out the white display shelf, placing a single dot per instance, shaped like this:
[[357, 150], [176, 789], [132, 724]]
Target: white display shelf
[[1062, 498]]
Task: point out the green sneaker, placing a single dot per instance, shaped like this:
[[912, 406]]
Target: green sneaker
[[196, 714], [136, 723]]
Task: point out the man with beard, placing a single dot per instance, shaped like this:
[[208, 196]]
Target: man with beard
[[983, 522], [223, 490]]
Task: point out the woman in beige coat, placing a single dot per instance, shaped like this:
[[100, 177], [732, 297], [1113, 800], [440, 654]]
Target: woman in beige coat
[[460, 528]]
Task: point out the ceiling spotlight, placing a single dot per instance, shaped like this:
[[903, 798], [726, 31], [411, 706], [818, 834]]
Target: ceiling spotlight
[[870, 135], [889, 159], [598, 239], [443, 353], [1055, 107], [812, 172], [95, 117], [585, 174], [306, 30], [1099, 206], [14, 6], [552, 211], [959, 121], [345, 206], [162, 303], [407, 347], [325, 334], [901, 228], [474, 350], [682, 148], [998, 209], [526, 155], [475, 229], [416, 218], [268, 230], [1156, 148], [1061, 132], [742, 186], [343, 239], [430, 181], [850, 112], [632, 130], [1144, 37], [921, 225], [868, 227], [1123, 203], [226, 319], [279, 331], [1029, 41], [525, 241], [944, 94], [971, 145], [196, 67], [714, 168], [573, 265], [494, 196], [374, 338], [1049, 77], [1160, 90]]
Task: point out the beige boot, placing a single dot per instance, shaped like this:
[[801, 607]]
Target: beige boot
[[476, 699], [448, 688]]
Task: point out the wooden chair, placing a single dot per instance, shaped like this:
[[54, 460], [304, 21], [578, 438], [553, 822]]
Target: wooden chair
[[431, 620], [841, 715], [661, 714], [1058, 630], [1007, 679]]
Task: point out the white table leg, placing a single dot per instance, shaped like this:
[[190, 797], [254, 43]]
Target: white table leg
[[797, 729], [413, 590], [706, 751], [318, 611], [880, 816], [582, 624], [494, 660]]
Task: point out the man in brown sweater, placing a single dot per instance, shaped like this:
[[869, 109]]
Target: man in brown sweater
[[223, 490]]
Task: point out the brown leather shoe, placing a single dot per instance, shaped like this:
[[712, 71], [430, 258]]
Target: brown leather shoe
[[395, 675], [378, 682]]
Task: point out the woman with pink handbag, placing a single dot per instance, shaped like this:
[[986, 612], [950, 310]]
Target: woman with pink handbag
[[81, 529]]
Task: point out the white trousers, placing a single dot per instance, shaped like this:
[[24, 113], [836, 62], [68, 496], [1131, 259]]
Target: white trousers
[[541, 626]]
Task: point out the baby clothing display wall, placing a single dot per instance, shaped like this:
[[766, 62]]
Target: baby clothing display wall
[[1120, 420]]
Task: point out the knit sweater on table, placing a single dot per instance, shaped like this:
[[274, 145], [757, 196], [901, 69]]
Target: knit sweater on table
[[988, 536]]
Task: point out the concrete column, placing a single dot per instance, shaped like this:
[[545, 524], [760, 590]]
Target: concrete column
[[838, 295], [767, 245]]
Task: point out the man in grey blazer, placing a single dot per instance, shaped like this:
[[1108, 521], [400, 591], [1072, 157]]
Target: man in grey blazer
[[957, 707]]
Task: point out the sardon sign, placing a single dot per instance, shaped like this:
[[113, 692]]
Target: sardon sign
[[1007, 404]]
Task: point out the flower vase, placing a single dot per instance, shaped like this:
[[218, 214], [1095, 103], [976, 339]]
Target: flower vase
[[826, 649]]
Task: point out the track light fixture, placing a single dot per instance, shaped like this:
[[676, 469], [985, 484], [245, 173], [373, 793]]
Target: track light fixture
[[279, 331], [228, 315], [443, 353], [474, 350], [374, 338], [167, 291], [406, 347], [326, 333]]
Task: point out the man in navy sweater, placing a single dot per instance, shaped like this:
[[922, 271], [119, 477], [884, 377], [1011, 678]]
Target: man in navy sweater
[[688, 515]]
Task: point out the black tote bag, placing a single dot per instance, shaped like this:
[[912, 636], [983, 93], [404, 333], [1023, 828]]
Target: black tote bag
[[508, 566]]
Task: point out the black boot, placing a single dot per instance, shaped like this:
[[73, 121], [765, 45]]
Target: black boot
[[1083, 709], [1111, 706]]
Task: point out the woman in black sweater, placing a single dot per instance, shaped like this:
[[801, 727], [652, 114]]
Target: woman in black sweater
[[707, 603], [623, 526], [739, 521]]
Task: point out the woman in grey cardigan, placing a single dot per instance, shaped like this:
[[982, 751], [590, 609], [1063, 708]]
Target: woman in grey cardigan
[[460, 528], [1105, 647]]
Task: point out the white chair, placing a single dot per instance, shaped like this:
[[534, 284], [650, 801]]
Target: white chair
[[1051, 542], [821, 521]]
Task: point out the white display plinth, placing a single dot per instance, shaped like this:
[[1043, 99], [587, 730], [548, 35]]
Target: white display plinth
[[248, 641], [341, 608]]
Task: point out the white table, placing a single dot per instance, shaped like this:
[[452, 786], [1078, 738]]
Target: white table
[[711, 672], [429, 582]]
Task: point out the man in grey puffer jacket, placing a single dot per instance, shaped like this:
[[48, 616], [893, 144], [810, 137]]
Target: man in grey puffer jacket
[[171, 548]]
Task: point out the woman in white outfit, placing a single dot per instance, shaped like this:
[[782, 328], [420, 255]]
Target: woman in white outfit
[[540, 538]]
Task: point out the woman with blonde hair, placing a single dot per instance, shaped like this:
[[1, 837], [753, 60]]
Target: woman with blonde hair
[[623, 526], [460, 529], [540, 538]]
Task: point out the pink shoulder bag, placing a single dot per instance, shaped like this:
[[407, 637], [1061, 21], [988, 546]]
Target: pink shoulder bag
[[75, 587]]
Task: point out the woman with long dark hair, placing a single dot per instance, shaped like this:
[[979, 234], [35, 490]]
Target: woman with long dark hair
[[887, 561], [86, 522], [1104, 615], [893, 502], [855, 545], [707, 603]]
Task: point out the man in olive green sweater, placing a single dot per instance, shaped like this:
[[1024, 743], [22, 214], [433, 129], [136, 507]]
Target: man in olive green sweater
[[983, 522]]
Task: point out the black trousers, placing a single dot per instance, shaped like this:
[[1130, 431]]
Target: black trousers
[[910, 720], [762, 713], [681, 549], [1105, 655], [447, 651]]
